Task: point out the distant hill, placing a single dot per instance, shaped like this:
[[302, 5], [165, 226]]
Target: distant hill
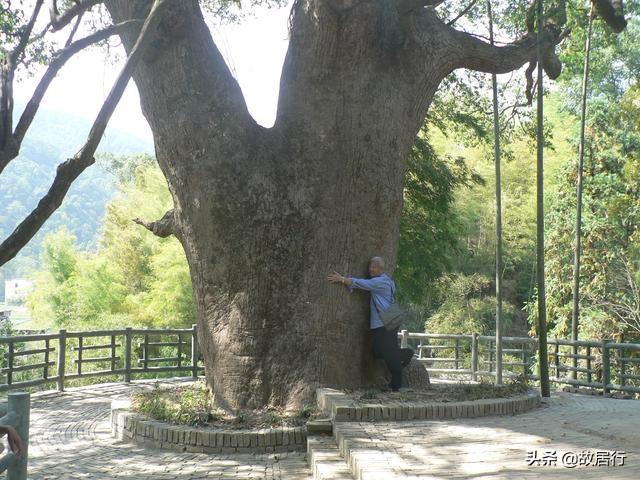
[[54, 137]]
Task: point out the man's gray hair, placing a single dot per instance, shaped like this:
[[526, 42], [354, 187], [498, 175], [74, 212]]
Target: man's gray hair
[[377, 260]]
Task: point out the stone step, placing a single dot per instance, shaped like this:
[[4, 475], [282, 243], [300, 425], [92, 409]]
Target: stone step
[[320, 426], [324, 459], [366, 458]]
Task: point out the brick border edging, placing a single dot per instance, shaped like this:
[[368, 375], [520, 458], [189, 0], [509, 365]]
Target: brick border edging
[[129, 426], [342, 408]]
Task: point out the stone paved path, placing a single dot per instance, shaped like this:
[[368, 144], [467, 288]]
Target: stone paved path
[[71, 439], [497, 447]]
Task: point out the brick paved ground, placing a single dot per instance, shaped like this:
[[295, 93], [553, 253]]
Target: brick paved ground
[[71, 439], [496, 447]]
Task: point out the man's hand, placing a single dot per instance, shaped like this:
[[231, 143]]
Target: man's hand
[[15, 442], [335, 277]]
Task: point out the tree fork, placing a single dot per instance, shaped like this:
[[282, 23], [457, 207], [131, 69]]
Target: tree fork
[[263, 214]]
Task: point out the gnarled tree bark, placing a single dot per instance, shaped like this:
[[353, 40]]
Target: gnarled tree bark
[[263, 214]]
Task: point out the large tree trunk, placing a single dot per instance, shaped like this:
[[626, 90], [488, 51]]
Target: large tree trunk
[[265, 214]]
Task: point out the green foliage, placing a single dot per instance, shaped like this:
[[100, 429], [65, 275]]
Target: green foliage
[[6, 330], [615, 59], [611, 257], [611, 220], [428, 231], [54, 137], [307, 411], [448, 224], [59, 255], [13, 20], [133, 279], [274, 418], [470, 306], [467, 305], [369, 394], [192, 405], [611, 198], [185, 405]]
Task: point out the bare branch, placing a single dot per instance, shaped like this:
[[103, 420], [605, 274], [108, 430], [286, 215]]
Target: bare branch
[[56, 64], [100, 124], [72, 168], [462, 13], [59, 21], [162, 228], [626, 306], [626, 314], [8, 65], [66, 173], [74, 30], [530, 85]]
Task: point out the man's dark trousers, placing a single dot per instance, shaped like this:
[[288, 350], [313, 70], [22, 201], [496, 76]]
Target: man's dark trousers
[[385, 346]]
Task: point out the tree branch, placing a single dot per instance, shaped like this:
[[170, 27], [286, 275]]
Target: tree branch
[[74, 30], [162, 228], [612, 13], [66, 173], [7, 144], [72, 168], [24, 36], [462, 13], [469, 52], [6, 155], [8, 65], [59, 21]]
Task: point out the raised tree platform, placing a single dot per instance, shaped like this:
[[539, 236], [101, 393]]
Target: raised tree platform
[[130, 426], [342, 407]]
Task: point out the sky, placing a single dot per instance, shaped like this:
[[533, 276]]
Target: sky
[[253, 49]]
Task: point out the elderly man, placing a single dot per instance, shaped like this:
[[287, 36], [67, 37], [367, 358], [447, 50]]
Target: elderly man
[[385, 343]]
